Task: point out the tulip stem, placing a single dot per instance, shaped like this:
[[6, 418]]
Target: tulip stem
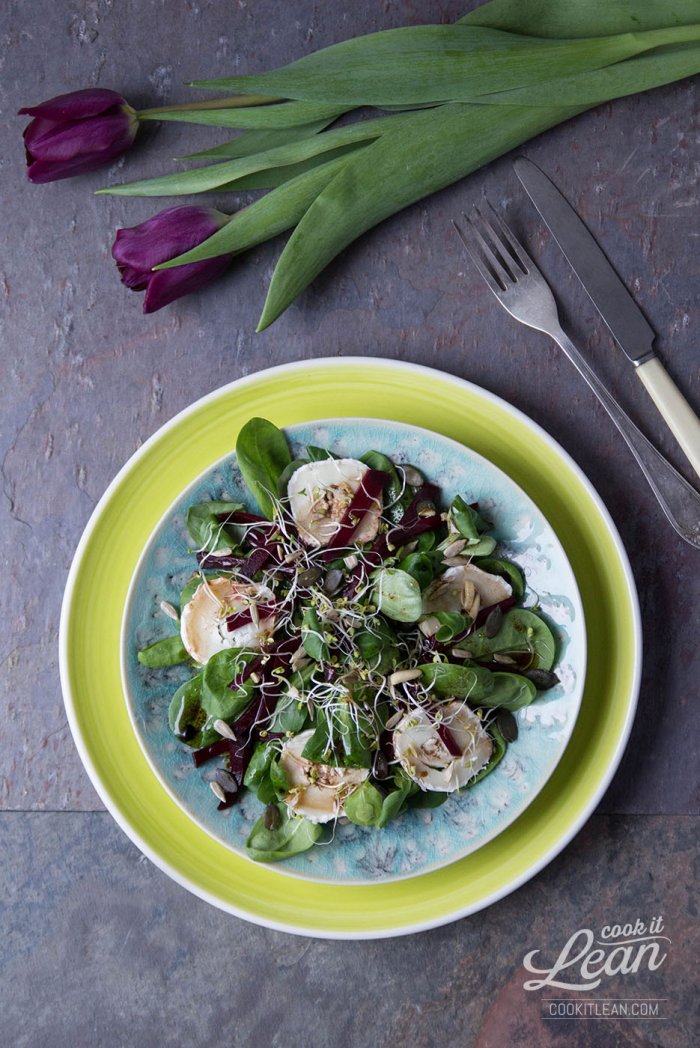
[[236, 101]]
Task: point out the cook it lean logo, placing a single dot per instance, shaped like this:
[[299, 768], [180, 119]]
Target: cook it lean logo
[[585, 961]]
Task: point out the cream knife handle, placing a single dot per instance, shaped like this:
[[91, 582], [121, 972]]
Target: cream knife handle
[[681, 419]]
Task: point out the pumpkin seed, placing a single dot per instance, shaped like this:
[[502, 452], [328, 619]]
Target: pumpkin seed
[[507, 725], [542, 679], [413, 476], [333, 581], [226, 780], [493, 623], [309, 576], [381, 766], [272, 818]]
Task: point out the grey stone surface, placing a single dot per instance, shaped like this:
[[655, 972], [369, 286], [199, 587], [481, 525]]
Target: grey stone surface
[[100, 948]]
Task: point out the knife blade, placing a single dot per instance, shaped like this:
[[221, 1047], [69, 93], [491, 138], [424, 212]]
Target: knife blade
[[628, 325], [625, 320]]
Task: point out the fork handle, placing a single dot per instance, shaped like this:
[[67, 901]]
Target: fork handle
[[677, 498]]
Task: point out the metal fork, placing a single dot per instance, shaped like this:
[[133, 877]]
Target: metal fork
[[522, 290]]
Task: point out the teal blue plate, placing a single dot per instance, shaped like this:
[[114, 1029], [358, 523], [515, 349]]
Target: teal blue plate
[[421, 840]]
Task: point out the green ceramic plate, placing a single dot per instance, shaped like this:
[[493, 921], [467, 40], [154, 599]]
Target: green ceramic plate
[[110, 549]]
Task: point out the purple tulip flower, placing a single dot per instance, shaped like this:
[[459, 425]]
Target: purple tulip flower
[[77, 132], [165, 236]]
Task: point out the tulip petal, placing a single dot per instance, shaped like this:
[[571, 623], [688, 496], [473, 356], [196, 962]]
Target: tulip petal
[[166, 235], [108, 135], [76, 105], [168, 284]]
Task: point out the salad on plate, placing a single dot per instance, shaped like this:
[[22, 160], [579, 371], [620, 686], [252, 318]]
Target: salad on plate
[[357, 648]]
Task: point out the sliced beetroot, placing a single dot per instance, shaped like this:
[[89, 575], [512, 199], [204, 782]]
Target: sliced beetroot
[[207, 753], [449, 740], [362, 501], [247, 566], [484, 613], [241, 517], [239, 755], [254, 666], [231, 799]]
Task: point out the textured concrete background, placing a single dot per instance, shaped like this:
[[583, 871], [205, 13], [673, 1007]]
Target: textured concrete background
[[100, 948]]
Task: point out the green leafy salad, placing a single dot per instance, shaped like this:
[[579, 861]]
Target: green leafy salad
[[357, 649]]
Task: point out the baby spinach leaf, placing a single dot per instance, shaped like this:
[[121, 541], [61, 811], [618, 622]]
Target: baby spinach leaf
[[257, 774], [521, 631], [217, 698], [473, 683], [508, 571], [393, 489], [510, 692], [420, 567], [186, 717], [166, 652], [426, 541], [467, 521], [394, 802], [364, 805], [397, 595], [483, 547], [377, 645], [315, 454], [294, 835], [426, 799], [452, 623], [353, 736], [289, 715], [318, 748], [262, 454], [285, 476], [208, 532], [499, 751], [312, 636]]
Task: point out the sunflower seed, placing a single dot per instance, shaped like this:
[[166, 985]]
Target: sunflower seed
[[454, 548], [462, 653], [272, 819], [507, 725], [425, 509], [224, 729], [505, 660], [401, 676], [493, 623], [351, 561], [218, 791], [167, 609], [429, 626]]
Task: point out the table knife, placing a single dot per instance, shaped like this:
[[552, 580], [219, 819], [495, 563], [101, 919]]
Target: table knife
[[613, 301]]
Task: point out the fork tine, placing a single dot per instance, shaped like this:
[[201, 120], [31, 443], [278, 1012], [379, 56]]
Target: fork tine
[[502, 274], [514, 244], [473, 254]]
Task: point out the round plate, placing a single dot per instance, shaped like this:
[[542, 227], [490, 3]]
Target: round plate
[[420, 840], [118, 531]]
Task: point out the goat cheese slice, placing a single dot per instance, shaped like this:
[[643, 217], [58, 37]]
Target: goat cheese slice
[[317, 791], [426, 759], [320, 493], [203, 625]]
